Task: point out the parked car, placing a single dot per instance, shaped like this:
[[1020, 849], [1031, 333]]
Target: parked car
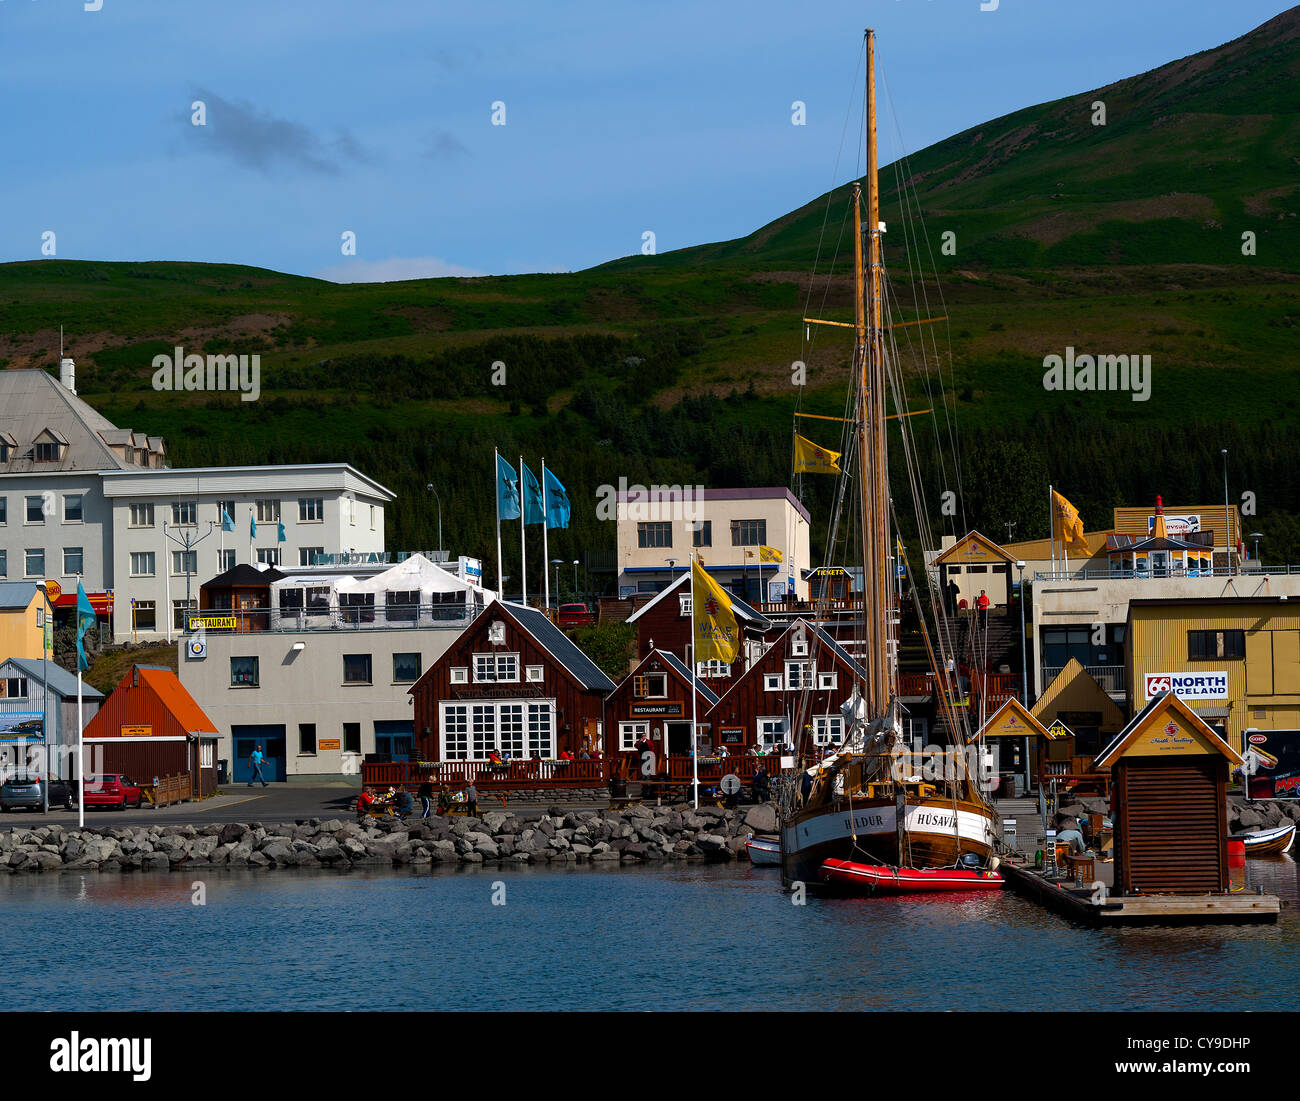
[[576, 615], [27, 791], [112, 789]]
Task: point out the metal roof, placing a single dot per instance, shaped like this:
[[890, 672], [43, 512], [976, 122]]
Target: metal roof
[[757, 620], [17, 594], [555, 642], [61, 681], [706, 693], [33, 402]]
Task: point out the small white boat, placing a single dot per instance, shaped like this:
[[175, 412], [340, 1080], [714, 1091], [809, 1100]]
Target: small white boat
[[1268, 842], [764, 851]]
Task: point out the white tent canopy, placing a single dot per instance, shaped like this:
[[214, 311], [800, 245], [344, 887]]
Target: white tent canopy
[[415, 573]]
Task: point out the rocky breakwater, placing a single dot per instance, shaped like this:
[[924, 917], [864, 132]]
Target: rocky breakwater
[[637, 834], [1259, 815]]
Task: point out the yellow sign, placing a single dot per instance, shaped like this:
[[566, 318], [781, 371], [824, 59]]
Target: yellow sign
[[137, 731], [1058, 729], [54, 589], [212, 622], [328, 743], [1167, 739]]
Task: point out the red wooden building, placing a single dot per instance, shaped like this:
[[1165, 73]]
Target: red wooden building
[[762, 706], [654, 702], [512, 682], [664, 623], [151, 727]]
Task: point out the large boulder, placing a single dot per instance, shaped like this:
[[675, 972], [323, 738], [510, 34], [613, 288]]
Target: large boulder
[[231, 832], [762, 818], [156, 862]]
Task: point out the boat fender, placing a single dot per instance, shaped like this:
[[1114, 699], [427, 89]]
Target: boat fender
[[994, 863]]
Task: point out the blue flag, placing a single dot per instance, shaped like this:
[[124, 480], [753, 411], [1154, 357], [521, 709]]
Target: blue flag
[[252, 525], [557, 501], [534, 513], [227, 523], [280, 532], [507, 490], [85, 621]]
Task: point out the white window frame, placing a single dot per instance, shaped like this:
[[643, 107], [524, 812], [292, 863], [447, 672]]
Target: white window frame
[[827, 681], [496, 668], [470, 730], [460, 674], [771, 729], [713, 669], [311, 510], [182, 509], [772, 682], [226, 560], [81, 553], [179, 561], [535, 674], [80, 498], [269, 556], [27, 562], [267, 510], [138, 510], [628, 733], [799, 675], [798, 647], [27, 509], [823, 726]]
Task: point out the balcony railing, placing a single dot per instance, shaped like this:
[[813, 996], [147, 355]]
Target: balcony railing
[[1246, 569], [332, 617], [1110, 677]]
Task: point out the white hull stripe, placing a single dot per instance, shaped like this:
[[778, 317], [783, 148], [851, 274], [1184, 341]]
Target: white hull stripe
[[920, 822]]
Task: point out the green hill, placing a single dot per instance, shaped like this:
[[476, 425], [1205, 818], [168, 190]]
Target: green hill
[[1122, 238]]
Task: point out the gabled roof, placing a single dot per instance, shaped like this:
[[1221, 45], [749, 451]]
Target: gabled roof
[[172, 694], [62, 682], [706, 693], [556, 643], [755, 620], [1075, 689], [17, 594], [32, 398], [243, 575], [973, 547], [1012, 719], [1167, 726]]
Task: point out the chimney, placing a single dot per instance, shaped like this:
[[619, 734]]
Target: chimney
[[68, 374]]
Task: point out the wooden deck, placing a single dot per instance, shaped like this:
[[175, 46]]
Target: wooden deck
[[1081, 905]]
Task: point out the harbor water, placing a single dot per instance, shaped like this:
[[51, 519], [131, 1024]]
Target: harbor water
[[696, 937]]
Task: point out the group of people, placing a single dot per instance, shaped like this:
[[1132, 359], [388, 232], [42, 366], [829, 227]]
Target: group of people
[[398, 802], [952, 597]]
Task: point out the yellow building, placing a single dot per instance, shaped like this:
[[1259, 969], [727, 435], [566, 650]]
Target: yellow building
[[1234, 660], [21, 617]]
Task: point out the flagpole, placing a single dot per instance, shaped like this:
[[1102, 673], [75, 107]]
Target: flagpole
[[496, 482], [1051, 524], [546, 547], [81, 752], [523, 516], [695, 693]]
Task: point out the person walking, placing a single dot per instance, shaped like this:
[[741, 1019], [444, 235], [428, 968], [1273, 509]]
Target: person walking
[[255, 760], [426, 798], [471, 800]]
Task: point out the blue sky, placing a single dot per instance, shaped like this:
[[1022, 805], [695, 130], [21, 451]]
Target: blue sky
[[375, 117]]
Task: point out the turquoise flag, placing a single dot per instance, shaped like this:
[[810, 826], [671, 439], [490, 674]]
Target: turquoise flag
[[85, 621], [507, 490], [252, 525], [534, 513], [280, 532], [227, 523], [557, 501]]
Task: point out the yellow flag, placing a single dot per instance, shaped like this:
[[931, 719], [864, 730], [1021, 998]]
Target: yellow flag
[[770, 554], [811, 459], [713, 624], [1066, 523]]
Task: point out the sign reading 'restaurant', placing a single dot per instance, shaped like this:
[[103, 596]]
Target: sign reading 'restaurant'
[[1190, 686]]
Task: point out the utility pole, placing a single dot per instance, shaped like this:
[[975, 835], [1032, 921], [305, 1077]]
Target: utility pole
[[187, 542]]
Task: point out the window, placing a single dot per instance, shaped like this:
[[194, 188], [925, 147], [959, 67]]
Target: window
[[269, 555], [827, 730], [268, 511], [460, 674], [827, 680], [185, 562], [35, 510], [406, 668], [352, 512], [72, 508], [351, 737], [654, 534], [510, 730], [307, 555], [535, 674], [13, 688], [35, 561], [799, 646], [318, 600], [977, 569], [311, 510], [307, 739], [225, 560], [141, 516], [454, 724], [185, 513], [746, 533], [356, 668], [541, 730], [712, 669], [771, 682], [372, 517], [496, 668], [243, 673], [357, 607], [47, 452], [628, 733], [772, 730], [4, 563], [4, 510], [72, 559], [798, 674], [650, 686], [181, 610], [144, 613], [1213, 645], [142, 563], [224, 509], [702, 536], [402, 606]]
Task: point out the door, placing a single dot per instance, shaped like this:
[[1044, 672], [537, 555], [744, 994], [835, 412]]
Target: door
[[396, 739], [272, 741], [679, 739]]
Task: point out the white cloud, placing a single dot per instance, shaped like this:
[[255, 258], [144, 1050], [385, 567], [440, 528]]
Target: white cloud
[[394, 269]]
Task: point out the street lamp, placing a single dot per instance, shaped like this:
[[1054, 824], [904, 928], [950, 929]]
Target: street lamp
[[429, 486], [187, 542], [1227, 532], [1257, 536], [575, 577], [557, 563], [1024, 654], [46, 627]]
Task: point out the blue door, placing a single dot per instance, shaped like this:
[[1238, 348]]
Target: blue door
[[396, 739], [272, 741]]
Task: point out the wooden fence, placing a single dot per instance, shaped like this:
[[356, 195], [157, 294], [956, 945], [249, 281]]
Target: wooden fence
[[169, 789]]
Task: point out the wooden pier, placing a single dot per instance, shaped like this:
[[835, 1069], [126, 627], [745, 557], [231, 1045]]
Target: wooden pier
[[1091, 906]]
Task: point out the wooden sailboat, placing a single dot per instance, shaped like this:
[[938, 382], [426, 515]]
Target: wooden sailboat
[[857, 807]]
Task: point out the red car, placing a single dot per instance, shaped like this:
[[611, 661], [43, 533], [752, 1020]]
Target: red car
[[112, 790], [576, 615]]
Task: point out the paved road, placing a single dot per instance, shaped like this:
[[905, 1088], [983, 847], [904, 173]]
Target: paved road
[[237, 803]]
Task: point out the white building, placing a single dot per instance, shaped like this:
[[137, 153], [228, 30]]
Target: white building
[[80, 497], [733, 531]]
